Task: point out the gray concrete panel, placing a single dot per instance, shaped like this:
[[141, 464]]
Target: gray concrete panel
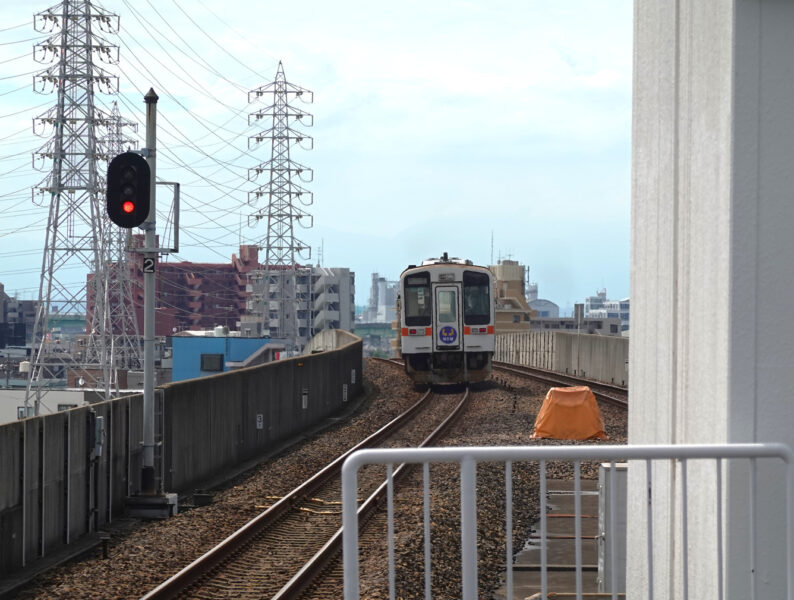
[[78, 474], [604, 358], [11, 437], [54, 465], [134, 443], [10, 464], [32, 489]]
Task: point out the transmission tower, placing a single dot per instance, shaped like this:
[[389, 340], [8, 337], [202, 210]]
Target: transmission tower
[[120, 318], [75, 235], [285, 301]]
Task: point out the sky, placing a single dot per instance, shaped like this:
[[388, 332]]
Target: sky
[[488, 130]]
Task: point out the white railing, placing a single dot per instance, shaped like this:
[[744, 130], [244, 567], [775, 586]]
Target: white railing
[[468, 458]]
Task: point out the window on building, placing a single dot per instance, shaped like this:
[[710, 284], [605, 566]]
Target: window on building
[[516, 318], [613, 329], [212, 362]]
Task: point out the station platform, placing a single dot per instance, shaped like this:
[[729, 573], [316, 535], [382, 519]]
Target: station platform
[[560, 548]]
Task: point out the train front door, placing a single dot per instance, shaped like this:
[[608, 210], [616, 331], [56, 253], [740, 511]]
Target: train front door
[[448, 331]]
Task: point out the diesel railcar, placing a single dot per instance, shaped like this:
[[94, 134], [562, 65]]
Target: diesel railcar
[[446, 313]]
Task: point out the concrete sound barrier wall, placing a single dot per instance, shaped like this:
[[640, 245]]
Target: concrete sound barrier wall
[[57, 484], [599, 357], [217, 422]]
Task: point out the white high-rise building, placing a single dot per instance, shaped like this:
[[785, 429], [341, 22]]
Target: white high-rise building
[[324, 299], [599, 307], [382, 307]]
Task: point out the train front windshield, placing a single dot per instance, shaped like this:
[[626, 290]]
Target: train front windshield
[[417, 300], [476, 298]]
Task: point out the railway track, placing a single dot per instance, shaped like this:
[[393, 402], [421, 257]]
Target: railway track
[[283, 550], [615, 395], [606, 392]]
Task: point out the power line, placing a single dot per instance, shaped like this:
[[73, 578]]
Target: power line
[[214, 41], [25, 24]]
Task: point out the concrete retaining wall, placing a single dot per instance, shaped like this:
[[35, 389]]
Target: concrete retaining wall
[[54, 489], [604, 358]]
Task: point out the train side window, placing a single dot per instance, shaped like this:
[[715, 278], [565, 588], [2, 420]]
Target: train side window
[[417, 300], [447, 306], [476, 298]]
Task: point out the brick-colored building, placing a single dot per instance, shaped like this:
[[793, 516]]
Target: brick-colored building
[[191, 295]]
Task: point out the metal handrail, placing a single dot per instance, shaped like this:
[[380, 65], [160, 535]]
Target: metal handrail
[[468, 457]]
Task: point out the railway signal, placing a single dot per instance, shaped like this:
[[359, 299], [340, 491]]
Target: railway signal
[[128, 188]]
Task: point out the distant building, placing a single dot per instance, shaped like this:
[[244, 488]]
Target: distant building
[[16, 319], [324, 299], [199, 353], [382, 306], [532, 292], [599, 307], [569, 324], [191, 296], [596, 302], [334, 299], [377, 338], [545, 309], [513, 312], [200, 296]]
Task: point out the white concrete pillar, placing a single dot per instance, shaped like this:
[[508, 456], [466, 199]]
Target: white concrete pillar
[[712, 337]]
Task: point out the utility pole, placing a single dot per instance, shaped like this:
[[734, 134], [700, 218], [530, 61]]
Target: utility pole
[[578, 310], [283, 194]]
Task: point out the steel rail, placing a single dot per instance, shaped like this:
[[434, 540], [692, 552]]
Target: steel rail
[[561, 380], [317, 564], [562, 376], [183, 579]]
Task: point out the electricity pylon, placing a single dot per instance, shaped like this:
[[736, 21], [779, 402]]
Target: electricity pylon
[[120, 317], [285, 298], [74, 241]]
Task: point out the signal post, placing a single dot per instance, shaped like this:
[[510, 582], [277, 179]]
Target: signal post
[[131, 202], [149, 257]]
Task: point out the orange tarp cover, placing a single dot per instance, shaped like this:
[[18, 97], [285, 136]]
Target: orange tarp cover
[[569, 413]]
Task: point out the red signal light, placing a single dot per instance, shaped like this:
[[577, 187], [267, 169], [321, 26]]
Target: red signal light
[[128, 182]]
